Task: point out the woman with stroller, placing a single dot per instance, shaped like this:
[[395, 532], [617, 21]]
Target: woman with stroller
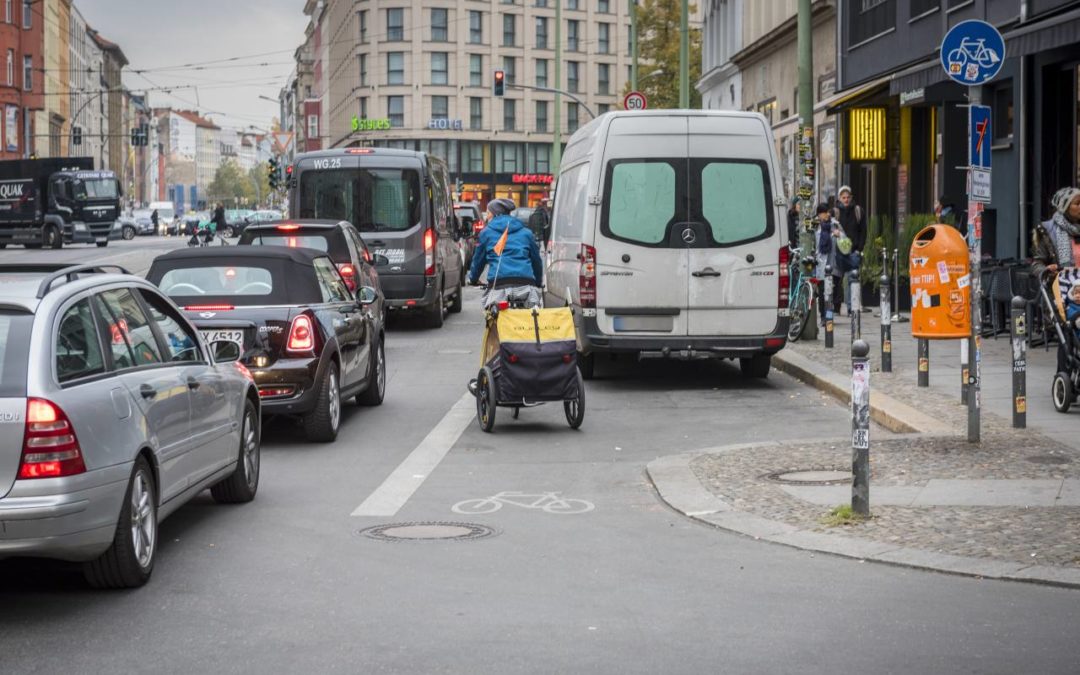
[[1056, 242]]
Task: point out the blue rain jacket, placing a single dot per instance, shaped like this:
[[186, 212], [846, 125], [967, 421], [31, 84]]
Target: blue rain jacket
[[520, 258]]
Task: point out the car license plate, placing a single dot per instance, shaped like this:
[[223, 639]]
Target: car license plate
[[212, 336]]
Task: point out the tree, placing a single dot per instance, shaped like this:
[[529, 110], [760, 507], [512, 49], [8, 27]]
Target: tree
[[260, 183], [230, 184], [658, 50]]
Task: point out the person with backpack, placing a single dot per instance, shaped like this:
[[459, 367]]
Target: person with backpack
[[852, 222], [540, 223]]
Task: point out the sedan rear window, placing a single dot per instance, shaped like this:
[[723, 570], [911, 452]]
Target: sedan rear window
[[14, 352], [230, 280]]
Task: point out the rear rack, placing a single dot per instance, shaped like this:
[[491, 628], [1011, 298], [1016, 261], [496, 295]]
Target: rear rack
[[55, 272]]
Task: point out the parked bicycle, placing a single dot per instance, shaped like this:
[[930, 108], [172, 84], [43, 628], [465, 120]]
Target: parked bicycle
[[802, 292]]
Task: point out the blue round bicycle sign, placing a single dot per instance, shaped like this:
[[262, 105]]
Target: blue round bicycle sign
[[972, 52]]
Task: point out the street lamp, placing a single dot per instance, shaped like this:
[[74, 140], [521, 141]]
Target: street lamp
[[267, 98]]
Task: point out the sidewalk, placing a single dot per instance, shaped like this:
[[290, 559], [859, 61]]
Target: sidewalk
[[1007, 508]]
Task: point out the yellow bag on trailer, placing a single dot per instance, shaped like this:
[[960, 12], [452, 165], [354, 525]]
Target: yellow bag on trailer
[[533, 354]]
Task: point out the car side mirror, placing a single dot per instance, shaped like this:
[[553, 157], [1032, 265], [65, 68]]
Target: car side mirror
[[225, 351], [379, 260], [367, 295]]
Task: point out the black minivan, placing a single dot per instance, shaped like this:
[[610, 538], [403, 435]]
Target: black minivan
[[400, 202]]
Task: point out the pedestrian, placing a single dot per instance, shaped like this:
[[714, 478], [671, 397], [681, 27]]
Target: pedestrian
[[828, 232], [219, 219], [852, 221], [793, 222], [945, 211], [540, 222], [154, 221], [1056, 243]]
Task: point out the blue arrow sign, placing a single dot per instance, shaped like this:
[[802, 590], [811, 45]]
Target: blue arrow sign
[[980, 135], [972, 52]]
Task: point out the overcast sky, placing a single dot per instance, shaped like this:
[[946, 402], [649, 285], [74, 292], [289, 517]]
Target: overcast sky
[[160, 35]]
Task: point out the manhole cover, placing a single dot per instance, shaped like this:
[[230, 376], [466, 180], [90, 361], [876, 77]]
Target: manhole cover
[[1049, 459], [811, 477], [428, 532]]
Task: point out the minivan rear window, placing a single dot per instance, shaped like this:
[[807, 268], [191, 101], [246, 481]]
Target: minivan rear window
[[374, 200], [14, 352]]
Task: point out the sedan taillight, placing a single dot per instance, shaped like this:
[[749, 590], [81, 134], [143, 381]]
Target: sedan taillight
[[50, 448], [301, 335]]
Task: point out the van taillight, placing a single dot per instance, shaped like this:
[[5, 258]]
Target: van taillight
[[478, 226], [301, 335], [587, 277], [784, 287], [429, 253], [348, 273], [50, 448]]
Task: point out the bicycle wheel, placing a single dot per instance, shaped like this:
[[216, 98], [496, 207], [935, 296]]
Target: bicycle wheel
[[575, 407], [800, 311], [569, 506], [485, 399], [472, 507]]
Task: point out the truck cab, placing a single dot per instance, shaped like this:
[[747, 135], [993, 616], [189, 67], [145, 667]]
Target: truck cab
[[89, 203]]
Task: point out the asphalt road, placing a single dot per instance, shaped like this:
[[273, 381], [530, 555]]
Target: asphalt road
[[287, 583]]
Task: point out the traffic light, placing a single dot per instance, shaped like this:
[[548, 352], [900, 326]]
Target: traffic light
[[500, 83], [76, 135], [272, 170]]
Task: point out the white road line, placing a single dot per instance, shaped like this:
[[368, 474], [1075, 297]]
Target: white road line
[[407, 478]]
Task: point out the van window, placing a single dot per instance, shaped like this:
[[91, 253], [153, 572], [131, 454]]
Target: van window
[[641, 199], [734, 201], [568, 221], [374, 200]]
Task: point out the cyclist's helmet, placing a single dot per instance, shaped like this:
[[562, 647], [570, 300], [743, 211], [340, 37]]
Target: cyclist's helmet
[[501, 207]]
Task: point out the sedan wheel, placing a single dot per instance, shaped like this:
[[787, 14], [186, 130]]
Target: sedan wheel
[[242, 485], [321, 424], [376, 390], [129, 233], [130, 560]]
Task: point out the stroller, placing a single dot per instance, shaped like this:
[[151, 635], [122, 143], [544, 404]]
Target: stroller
[[204, 234], [1060, 295], [529, 357]]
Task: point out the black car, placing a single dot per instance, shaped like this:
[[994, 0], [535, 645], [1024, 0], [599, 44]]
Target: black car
[[336, 238], [308, 341]]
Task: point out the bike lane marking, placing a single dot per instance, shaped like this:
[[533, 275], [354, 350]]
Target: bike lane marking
[[406, 479]]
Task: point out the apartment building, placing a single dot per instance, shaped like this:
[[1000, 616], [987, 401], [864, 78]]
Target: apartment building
[[21, 86]]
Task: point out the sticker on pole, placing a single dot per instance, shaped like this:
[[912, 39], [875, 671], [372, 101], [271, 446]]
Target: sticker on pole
[[972, 52], [635, 100]]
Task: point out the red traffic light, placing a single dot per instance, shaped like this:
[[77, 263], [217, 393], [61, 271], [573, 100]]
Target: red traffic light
[[500, 83]]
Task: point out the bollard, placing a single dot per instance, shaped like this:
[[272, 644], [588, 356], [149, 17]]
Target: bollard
[[896, 317], [1019, 350], [855, 307], [886, 323], [860, 428], [924, 362], [827, 305], [964, 371]]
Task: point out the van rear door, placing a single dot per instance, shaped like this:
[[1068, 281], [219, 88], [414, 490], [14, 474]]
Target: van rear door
[[641, 264], [734, 265]]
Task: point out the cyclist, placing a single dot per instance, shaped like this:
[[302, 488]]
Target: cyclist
[[509, 250]]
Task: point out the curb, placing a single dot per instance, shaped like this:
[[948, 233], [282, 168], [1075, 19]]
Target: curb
[[893, 414], [677, 486]]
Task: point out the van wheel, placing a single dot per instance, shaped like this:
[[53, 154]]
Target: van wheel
[[756, 366], [587, 365], [435, 314], [457, 303], [130, 559]]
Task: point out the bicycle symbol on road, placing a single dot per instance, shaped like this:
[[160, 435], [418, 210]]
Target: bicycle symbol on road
[[549, 502]]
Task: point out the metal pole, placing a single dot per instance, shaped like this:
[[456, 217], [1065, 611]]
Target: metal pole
[[924, 362], [886, 323], [804, 183], [965, 371], [897, 317], [860, 428], [633, 45], [975, 223], [556, 142], [827, 305], [1019, 350], [855, 307], [684, 55]]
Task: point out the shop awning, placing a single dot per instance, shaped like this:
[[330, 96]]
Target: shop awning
[[1039, 36], [840, 99], [919, 76]]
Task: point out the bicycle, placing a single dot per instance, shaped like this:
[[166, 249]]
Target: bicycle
[[802, 292], [549, 502], [976, 51]]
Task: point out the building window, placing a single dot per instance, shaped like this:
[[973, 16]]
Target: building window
[[509, 114], [363, 107], [1002, 114], [541, 115], [395, 25], [395, 68], [476, 113], [541, 32], [363, 70], [573, 43], [7, 11], [395, 110], [440, 107], [571, 117], [312, 126], [541, 158], [541, 72], [509, 63], [920, 7], [439, 22], [363, 25], [11, 67], [473, 156], [509, 32], [476, 70], [27, 9], [439, 67], [572, 4], [603, 38], [28, 72], [476, 27], [603, 108], [603, 7], [540, 3], [768, 109], [603, 78], [573, 83], [870, 18]]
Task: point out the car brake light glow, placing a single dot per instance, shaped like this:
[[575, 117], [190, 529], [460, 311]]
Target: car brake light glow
[[288, 228], [587, 277], [478, 226], [50, 448], [230, 273], [348, 273], [784, 287], [275, 390], [429, 253], [301, 334], [359, 151], [209, 308], [774, 342], [410, 303]]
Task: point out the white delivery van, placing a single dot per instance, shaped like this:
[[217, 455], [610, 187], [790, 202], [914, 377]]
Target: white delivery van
[[668, 237]]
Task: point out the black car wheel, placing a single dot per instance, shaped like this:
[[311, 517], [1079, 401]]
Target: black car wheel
[[242, 485], [458, 302], [128, 233], [321, 424], [376, 389], [437, 312]]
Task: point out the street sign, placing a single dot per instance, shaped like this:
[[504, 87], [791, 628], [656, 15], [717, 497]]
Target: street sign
[[283, 141], [635, 100], [972, 52], [979, 136], [980, 185]]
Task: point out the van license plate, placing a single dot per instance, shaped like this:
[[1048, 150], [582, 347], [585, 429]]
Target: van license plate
[[212, 336]]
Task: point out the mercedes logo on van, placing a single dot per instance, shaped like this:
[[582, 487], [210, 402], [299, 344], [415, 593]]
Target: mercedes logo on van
[[689, 236]]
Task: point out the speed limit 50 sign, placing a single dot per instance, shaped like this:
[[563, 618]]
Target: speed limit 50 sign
[[635, 100]]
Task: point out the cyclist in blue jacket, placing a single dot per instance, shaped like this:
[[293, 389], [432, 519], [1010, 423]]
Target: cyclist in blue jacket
[[508, 248]]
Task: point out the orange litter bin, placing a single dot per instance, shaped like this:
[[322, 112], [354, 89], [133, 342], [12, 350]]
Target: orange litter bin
[[940, 284]]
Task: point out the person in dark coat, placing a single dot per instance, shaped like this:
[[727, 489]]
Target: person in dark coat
[[540, 223], [852, 221], [793, 219], [154, 221], [219, 220]]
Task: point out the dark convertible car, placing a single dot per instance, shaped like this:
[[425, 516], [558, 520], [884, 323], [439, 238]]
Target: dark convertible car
[[307, 339]]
